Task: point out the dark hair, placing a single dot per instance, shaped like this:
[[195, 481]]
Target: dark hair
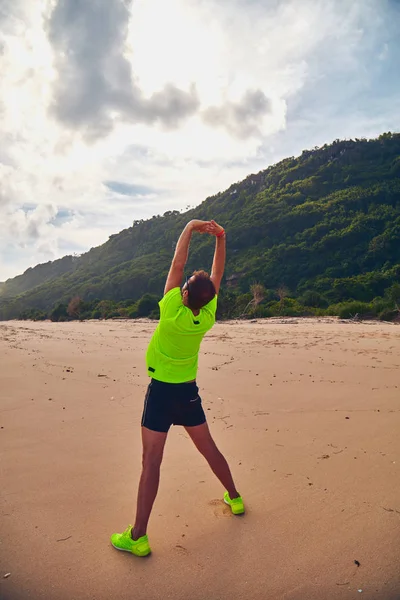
[[201, 290]]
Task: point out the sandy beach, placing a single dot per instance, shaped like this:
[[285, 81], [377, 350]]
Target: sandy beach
[[307, 413]]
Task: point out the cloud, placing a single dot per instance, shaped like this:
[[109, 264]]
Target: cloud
[[95, 83], [26, 227], [13, 187], [241, 119], [383, 54], [169, 106]]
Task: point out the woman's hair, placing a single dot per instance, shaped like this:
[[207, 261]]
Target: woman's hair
[[201, 290]]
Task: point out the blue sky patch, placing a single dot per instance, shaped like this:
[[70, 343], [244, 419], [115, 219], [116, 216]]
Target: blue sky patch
[[129, 189]]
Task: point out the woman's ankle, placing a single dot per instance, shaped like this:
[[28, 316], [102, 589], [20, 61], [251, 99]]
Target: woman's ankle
[[137, 532], [234, 494]]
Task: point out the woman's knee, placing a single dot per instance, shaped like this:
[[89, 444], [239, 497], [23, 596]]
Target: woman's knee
[[151, 459]]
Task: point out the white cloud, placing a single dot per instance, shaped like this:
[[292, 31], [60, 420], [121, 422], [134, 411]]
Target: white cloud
[[190, 96], [383, 54]]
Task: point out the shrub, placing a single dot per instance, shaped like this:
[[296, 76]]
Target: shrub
[[32, 314], [260, 312], [147, 304], [393, 293], [348, 310], [86, 314], [288, 307], [379, 304], [320, 312], [133, 312], [59, 312], [388, 315], [112, 314], [314, 299], [242, 303], [106, 307]]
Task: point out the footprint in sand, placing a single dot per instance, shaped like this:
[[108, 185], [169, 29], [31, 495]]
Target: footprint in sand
[[220, 508], [181, 549]]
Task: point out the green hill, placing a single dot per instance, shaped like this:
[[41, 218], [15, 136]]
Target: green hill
[[315, 231], [37, 275]]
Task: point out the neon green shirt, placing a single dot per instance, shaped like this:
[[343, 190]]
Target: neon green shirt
[[173, 352]]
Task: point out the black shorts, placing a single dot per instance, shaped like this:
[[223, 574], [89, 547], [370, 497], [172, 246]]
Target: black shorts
[[169, 404]]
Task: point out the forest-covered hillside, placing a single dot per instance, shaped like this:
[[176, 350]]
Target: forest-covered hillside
[[315, 233]]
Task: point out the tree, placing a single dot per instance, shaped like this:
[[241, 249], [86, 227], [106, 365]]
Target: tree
[[282, 292], [393, 294], [105, 307], [314, 299], [147, 304], [257, 291], [59, 312], [75, 307]]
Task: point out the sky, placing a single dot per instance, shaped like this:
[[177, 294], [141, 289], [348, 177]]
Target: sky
[[117, 110]]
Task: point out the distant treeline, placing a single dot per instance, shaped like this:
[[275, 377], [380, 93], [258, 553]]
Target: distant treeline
[[258, 303]]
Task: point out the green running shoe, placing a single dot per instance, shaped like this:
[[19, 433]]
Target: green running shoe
[[237, 505], [123, 541]]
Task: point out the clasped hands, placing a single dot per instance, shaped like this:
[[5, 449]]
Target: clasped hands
[[210, 227]]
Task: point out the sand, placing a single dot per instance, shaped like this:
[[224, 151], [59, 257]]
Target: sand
[[307, 413]]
